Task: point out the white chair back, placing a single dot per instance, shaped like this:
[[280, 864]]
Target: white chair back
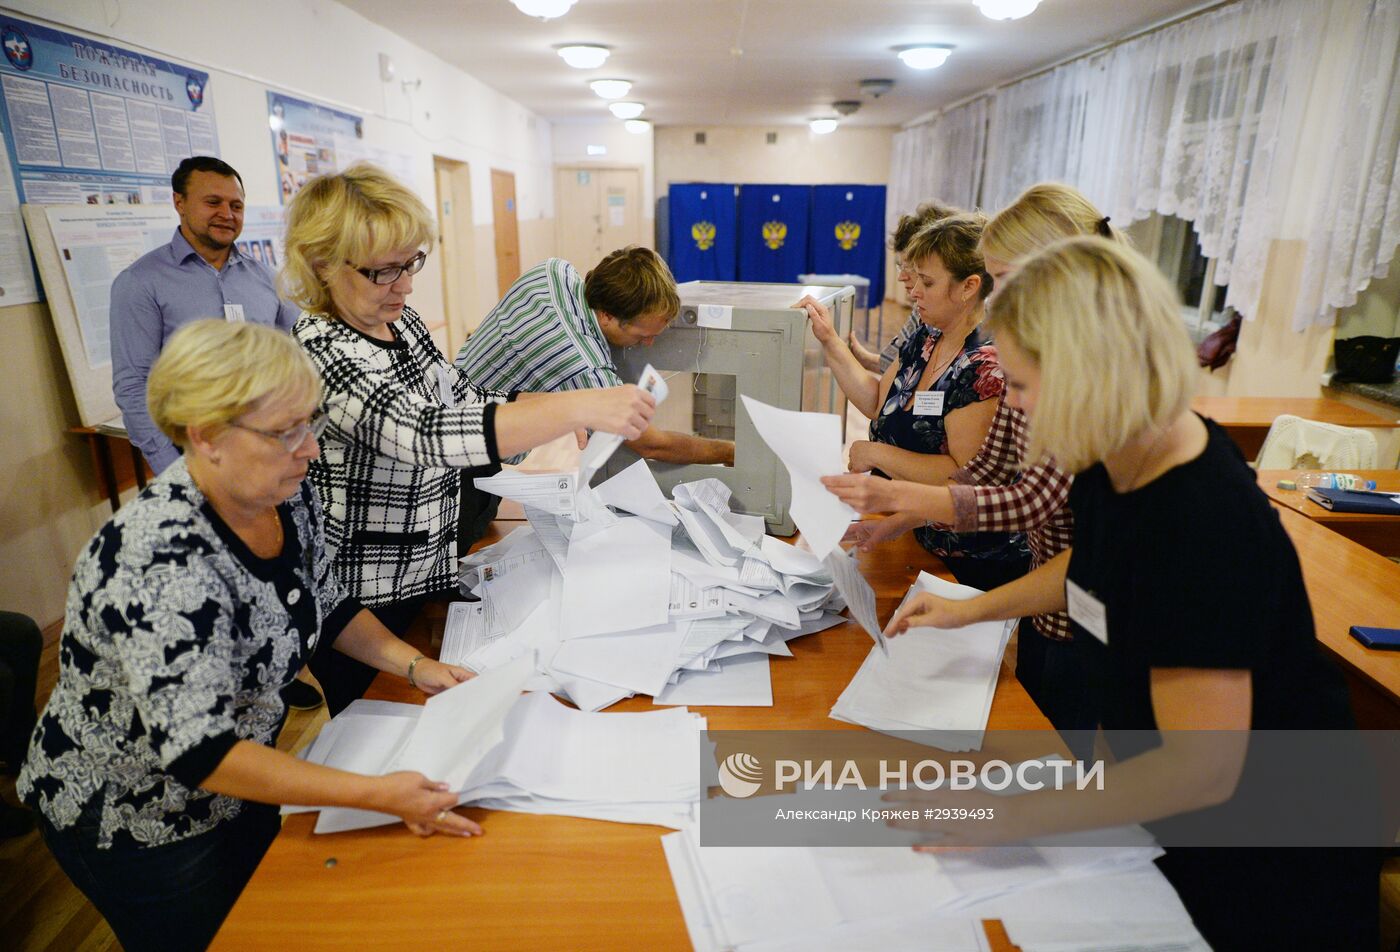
[[1296, 443]]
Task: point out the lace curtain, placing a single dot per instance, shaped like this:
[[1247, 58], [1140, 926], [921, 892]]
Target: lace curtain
[[1261, 121], [940, 159]]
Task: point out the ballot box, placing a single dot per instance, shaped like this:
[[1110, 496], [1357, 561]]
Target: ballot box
[[733, 338]]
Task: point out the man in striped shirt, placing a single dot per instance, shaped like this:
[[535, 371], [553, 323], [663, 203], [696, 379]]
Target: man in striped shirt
[[554, 331]]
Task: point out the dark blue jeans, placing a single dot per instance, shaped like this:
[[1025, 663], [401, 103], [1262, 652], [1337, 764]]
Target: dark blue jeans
[[171, 897]]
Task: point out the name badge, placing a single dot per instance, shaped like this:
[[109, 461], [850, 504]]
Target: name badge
[[1087, 611], [928, 403], [444, 386], [233, 312]]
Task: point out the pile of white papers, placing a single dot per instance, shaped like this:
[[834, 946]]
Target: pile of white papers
[[619, 591], [891, 898], [529, 753], [930, 679]]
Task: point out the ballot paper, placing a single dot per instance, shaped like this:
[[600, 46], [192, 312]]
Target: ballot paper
[[689, 600], [859, 596], [635, 490], [617, 579], [932, 680], [758, 899], [809, 444], [465, 632], [742, 682], [548, 492], [601, 446]]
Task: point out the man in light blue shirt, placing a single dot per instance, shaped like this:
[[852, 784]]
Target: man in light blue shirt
[[199, 274]]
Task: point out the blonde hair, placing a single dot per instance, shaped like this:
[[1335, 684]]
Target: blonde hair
[[954, 242], [1040, 215], [353, 216], [211, 372], [1105, 329]]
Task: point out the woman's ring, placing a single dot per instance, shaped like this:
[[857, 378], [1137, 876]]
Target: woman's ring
[[442, 815]]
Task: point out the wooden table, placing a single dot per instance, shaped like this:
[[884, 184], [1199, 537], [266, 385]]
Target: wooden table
[[1348, 584], [1379, 533], [125, 469], [545, 882], [1247, 419]]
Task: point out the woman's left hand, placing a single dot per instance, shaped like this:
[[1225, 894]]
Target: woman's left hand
[[863, 492], [865, 456], [433, 677], [957, 820]]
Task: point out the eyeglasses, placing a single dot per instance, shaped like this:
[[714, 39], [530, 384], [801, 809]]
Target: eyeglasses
[[292, 438], [903, 267], [391, 273]]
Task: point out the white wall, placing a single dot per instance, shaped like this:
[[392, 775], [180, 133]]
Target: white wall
[[572, 139], [312, 49]]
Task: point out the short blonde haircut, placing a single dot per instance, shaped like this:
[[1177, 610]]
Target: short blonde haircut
[[353, 216], [1105, 329], [211, 372], [1043, 214]]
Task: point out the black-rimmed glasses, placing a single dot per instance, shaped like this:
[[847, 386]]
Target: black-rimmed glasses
[[293, 437], [391, 273]]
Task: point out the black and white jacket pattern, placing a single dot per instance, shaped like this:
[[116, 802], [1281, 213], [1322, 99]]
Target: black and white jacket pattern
[[176, 639], [403, 422]]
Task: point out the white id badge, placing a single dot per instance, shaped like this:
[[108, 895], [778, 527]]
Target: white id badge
[[1087, 610], [233, 312], [928, 403], [444, 385]]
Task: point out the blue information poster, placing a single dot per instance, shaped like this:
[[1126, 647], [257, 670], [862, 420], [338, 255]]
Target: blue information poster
[[309, 139], [88, 122], [703, 233], [848, 233], [773, 232]]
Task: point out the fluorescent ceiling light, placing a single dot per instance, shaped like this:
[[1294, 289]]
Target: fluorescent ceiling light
[[626, 110], [611, 88], [1006, 9], [544, 9], [927, 56], [584, 55], [822, 126], [636, 126]]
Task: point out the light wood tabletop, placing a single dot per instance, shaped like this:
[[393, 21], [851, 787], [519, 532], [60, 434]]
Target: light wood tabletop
[[1247, 419], [1377, 532], [545, 882], [1348, 584]]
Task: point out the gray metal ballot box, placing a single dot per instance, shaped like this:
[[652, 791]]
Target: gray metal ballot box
[[733, 338]]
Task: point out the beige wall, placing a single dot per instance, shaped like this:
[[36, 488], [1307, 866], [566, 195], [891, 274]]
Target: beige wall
[[851, 155]]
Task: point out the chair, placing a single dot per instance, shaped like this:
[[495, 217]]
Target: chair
[[1296, 443]]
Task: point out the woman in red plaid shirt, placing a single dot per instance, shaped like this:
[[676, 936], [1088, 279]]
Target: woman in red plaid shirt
[[1000, 490]]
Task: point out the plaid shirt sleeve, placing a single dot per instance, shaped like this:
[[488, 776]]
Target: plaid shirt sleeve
[[367, 395], [998, 459]]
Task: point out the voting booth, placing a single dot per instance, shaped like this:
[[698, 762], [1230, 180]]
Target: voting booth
[[730, 339]]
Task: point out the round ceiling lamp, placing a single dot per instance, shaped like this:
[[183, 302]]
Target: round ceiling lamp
[[824, 125], [611, 88], [1006, 9], [626, 110], [583, 55], [544, 9], [636, 126], [924, 56]]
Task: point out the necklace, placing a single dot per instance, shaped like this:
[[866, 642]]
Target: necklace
[[1146, 458], [281, 536]]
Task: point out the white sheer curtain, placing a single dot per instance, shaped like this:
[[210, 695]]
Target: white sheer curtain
[[942, 159], [1352, 225], [1037, 132]]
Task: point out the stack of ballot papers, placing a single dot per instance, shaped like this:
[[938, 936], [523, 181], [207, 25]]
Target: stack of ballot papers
[[891, 898], [929, 679], [528, 753], [618, 591]]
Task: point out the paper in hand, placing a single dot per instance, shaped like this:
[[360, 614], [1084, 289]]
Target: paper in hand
[[859, 596], [601, 446]]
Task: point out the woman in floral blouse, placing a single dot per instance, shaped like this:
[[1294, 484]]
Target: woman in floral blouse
[[153, 767], [930, 412]]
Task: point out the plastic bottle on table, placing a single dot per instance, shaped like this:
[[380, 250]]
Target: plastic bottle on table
[[1333, 481]]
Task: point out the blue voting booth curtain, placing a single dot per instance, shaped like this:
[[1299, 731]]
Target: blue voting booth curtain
[[773, 232], [848, 233], [703, 239]]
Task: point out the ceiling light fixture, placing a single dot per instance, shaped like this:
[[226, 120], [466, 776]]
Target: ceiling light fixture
[[583, 55], [1006, 9], [636, 126], [845, 107], [824, 125], [924, 56], [611, 88], [626, 110], [875, 88], [544, 9]]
